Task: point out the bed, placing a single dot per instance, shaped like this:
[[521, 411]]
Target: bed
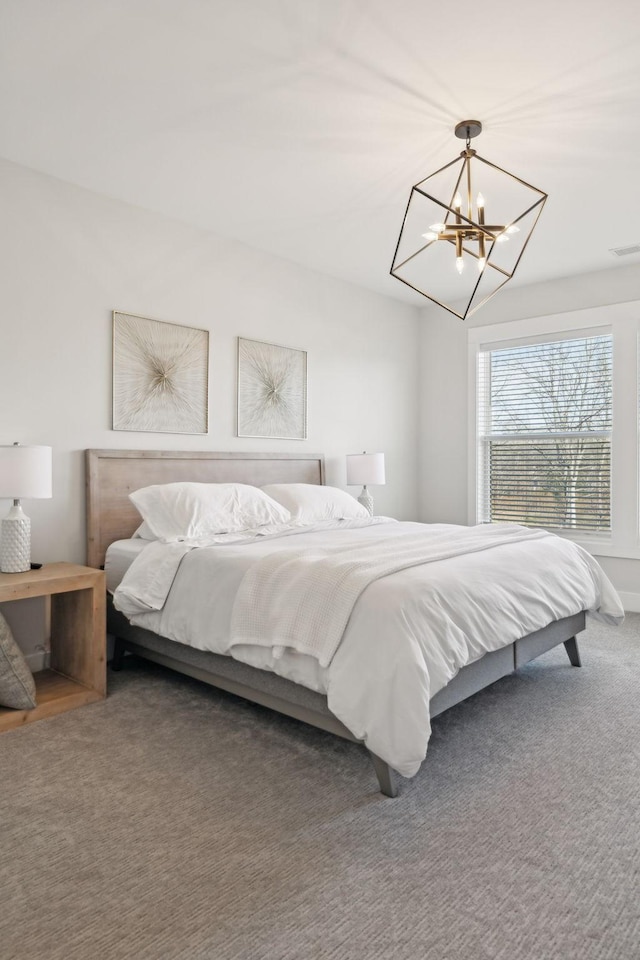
[[112, 475]]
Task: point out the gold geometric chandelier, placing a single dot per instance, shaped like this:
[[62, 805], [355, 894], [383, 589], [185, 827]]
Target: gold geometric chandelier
[[465, 229]]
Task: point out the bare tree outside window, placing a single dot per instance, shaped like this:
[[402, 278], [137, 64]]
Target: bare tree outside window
[[547, 436]]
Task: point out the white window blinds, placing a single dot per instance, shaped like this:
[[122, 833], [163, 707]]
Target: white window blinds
[[544, 434]]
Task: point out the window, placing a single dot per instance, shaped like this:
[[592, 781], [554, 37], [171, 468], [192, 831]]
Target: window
[[544, 433], [554, 438]]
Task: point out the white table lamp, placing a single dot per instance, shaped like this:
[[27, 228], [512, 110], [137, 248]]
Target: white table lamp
[[365, 468], [25, 472]]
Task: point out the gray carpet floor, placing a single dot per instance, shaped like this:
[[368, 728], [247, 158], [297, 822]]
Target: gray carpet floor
[[174, 822]]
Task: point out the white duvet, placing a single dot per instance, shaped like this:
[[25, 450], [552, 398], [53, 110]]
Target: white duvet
[[415, 616]]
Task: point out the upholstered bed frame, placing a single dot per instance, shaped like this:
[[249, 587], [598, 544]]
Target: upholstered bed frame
[[112, 475]]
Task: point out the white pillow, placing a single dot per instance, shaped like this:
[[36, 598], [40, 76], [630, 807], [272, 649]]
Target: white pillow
[[195, 511], [311, 502], [144, 532]]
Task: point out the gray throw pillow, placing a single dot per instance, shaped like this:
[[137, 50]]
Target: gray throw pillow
[[17, 686]]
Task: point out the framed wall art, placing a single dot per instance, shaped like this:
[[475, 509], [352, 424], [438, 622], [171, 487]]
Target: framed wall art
[[160, 376], [272, 391]]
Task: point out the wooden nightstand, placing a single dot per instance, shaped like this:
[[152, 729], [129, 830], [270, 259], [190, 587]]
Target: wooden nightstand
[[77, 674]]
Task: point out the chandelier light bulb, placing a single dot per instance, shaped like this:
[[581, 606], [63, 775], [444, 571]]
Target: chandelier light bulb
[[457, 203], [438, 227], [480, 205], [502, 238], [431, 235], [513, 229], [481, 264], [459, 264]]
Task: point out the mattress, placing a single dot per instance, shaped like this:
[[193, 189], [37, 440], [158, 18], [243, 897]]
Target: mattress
[[119, 558]]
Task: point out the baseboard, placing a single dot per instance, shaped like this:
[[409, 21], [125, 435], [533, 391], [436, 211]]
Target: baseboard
[[630, 601], [37, 660]]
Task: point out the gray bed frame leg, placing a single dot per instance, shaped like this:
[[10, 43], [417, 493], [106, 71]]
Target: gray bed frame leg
[[571, 646], [385, 776], [118, 653]]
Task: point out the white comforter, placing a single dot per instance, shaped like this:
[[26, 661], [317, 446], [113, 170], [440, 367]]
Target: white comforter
[[412, 625]]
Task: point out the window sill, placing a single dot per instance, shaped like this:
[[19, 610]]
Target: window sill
[[600, 548]]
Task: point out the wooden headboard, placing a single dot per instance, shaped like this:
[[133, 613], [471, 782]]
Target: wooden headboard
[[111, 475]]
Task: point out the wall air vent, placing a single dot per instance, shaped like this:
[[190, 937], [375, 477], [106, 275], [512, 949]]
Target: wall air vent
[[625, 251]]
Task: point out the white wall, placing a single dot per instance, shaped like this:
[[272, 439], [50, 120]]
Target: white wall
[[69, 257], [444, 399]]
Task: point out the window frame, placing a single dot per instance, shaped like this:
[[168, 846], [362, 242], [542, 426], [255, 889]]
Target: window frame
[[622, 321]]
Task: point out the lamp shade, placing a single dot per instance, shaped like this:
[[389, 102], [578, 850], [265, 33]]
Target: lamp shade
[[25, 472], [365, 468]]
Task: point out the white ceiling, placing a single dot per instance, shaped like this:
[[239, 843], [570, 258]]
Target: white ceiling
[[299, 126]]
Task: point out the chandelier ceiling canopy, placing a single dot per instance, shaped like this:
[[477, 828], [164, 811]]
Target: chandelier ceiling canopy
[[470, 217]]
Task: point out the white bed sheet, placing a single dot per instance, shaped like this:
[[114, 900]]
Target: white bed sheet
[[293, 666], [409, 633], [119, 558]]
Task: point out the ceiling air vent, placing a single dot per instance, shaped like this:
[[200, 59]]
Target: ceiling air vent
[[625, 251]]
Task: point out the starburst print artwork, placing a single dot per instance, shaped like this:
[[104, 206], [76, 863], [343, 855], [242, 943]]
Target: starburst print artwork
[[272, 391], [160, 376]]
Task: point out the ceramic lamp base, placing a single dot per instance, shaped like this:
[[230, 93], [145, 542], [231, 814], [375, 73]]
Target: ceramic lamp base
[[366, 500], [15, 542]]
